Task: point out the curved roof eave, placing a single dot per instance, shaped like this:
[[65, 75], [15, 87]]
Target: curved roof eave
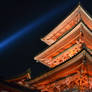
[[63, 65], [79, 8]]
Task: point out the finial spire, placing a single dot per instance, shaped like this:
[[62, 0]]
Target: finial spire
[[79, 2]]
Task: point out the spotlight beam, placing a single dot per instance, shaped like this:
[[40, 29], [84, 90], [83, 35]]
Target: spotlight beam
[[40, 21]]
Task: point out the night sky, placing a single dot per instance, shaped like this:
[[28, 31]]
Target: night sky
[[22, 24]]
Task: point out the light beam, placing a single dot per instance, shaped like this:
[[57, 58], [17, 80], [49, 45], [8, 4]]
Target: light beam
[[40, 21]]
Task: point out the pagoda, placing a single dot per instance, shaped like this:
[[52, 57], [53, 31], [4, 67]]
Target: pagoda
[[69, 55]]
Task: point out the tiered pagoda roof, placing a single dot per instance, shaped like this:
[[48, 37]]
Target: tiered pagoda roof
[[75, 73], [79, 14], [70, 48], [71, 51], [67, 38]]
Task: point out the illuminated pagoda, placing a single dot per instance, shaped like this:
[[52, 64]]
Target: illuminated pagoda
[[69, 55]]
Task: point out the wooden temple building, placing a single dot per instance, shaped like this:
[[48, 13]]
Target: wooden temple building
[[69, 55]]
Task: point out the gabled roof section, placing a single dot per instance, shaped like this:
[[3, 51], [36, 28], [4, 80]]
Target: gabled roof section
[[77, 15], [24, 76]]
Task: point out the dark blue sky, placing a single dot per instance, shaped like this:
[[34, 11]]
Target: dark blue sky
[[23, 23]]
